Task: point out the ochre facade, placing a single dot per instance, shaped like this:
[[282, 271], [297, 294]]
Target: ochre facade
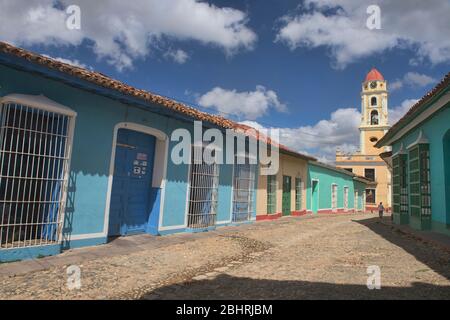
[[374, 124]]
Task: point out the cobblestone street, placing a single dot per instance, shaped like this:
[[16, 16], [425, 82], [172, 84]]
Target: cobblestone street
[[292, 258]]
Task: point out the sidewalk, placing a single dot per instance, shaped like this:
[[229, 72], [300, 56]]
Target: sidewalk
[[435, 238]]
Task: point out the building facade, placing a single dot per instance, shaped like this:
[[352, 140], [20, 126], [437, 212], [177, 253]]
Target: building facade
[[284, 193], [85, 157], [420, 162], [374, 124], [334, 190]]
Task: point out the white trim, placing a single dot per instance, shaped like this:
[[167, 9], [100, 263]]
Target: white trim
[[332, 185], [172, 227], [87, 236], [421, 139], [161, 138], [400, 151], [38, 102]]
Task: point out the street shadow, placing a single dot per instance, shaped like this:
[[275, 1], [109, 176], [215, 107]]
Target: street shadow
[[439, 261], [235, 288]]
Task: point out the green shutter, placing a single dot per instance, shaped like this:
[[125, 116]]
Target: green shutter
[[271, 194], [419, 181], [400, 186]]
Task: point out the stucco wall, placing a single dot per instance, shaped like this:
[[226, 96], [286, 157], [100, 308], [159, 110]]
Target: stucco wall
[[92, 148], [434, 130], [289, 166], [326, 178]]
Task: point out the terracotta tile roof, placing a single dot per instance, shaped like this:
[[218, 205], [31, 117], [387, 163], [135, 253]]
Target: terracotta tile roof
[[415, 110], [102, 80], [107, 82], [374, 75]]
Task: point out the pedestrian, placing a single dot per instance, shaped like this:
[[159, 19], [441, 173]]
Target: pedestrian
[[380, 210]]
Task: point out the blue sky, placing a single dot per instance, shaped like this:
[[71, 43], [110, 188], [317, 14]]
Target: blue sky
[[294, 65]]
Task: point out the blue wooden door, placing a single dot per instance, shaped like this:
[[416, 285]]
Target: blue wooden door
[[131, 189]]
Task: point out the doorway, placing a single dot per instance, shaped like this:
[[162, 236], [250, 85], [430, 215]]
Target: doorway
[[286, 202], [132, 180]]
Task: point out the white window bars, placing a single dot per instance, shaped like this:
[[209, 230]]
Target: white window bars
[[34, 159], [243, 191], [203, 191], [334, 197]]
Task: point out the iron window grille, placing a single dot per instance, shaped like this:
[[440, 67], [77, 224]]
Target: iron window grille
[[203, 191], [334, 197], [35, 146], [243, 191], [298, 194]]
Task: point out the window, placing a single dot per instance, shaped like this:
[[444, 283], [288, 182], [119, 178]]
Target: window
[[203, 191], [373, 139], [369, 174], [374, 117], [419, 181], [271, 194], [400, 187], [243, 191], [34, 155], [349, 169], [373, 101], [298, 194], [334, 196], [370, 196]]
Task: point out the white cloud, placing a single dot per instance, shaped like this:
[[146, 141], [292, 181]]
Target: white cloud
[[249, 104], [412, 79], [340, 25], [179, 56], [340, 131], [323, 138], [123, 31], [397, 112]]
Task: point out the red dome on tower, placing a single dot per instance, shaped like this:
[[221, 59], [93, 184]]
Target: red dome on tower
[[374, 75]]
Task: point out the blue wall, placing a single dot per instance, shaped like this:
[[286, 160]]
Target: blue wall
[[326, 178], [92, 146], [434, 130]]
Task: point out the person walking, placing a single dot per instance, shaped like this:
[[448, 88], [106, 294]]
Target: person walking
[[380, 210]]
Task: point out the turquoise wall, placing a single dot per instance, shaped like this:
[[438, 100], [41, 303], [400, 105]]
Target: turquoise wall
[[434, 129], [326, 178], [92, 147]]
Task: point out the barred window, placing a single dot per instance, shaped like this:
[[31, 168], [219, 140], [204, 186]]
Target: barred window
[[298, 194], [203, 191], [35, 148]]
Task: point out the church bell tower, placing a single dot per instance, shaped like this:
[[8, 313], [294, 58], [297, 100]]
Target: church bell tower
[[374, 112]]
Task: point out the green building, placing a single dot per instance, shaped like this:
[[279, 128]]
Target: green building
[[420, 162], [334, 190]]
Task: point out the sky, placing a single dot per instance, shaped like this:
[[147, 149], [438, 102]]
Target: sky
[[293, 65]]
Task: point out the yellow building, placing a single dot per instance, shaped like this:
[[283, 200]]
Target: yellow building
[[374, 124], [284, 194]]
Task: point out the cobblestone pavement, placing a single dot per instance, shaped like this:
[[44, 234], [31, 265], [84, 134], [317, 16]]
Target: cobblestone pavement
[[291, 258]]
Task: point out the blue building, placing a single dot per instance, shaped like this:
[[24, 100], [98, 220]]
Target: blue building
[[420, 162], [85, 157]]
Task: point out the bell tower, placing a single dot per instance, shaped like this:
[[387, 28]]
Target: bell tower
[[374, 112]]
